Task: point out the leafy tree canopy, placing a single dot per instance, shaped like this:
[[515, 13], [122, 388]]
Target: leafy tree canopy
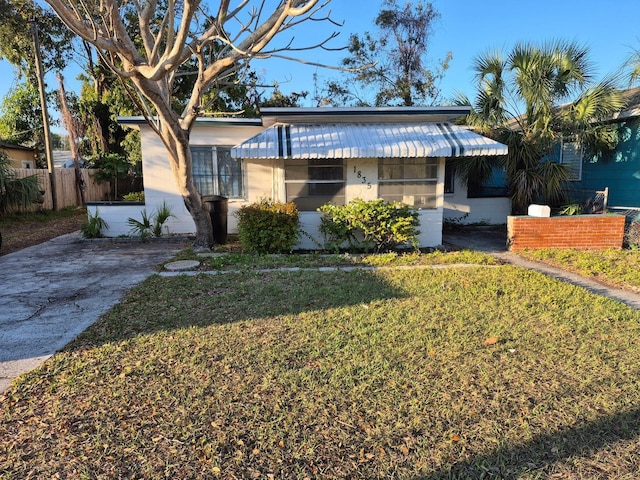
[[391, 67], [21, 116], [16, 46]]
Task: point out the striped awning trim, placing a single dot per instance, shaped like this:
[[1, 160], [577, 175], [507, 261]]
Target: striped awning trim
[[366, 140]]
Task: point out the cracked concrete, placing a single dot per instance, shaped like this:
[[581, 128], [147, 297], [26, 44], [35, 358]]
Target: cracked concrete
[[51, 292]]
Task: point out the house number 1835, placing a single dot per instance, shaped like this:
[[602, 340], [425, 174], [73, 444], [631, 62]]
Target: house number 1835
[[361, 177]]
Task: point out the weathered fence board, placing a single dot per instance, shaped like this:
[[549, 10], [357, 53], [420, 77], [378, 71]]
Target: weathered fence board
[[65, 186]]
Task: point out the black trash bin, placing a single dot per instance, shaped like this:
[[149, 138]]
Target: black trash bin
[[218, 207]]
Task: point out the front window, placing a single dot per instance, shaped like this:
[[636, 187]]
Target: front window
[[216, 173], [412, 181], [312, 183], [449, 178], [571, 157]]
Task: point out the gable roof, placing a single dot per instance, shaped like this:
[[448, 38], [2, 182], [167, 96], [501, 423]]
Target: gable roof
[[632, 104]]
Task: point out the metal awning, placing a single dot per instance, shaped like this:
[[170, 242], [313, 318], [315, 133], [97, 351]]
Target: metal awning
[[367, 140]]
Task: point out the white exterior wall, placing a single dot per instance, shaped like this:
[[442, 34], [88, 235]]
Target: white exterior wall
[[263, 179], [493, 211], [115, 216], [159, 185], [362, 182]]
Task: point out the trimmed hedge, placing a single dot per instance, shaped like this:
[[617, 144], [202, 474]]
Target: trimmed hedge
[[268, 227]]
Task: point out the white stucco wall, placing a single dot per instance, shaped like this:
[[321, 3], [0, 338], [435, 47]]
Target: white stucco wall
[[159, 184], [493, 211], [263, 179]]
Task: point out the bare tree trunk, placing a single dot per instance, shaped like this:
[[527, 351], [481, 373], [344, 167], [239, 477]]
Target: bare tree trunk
[[70, 123], [176, 141]]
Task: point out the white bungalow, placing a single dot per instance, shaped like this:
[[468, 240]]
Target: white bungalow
[[312, 156]]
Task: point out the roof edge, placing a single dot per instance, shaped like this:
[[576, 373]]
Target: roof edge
[[351, 111], [235, 121]]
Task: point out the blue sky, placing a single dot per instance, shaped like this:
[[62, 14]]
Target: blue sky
[[467, 28]]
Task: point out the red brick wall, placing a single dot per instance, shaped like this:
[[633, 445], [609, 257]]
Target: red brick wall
[[583, 232]]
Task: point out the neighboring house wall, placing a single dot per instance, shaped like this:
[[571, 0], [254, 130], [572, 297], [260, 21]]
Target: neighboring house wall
[[20, 157], [618, 170], [458, 207]]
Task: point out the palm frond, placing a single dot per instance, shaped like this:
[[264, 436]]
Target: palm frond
[[555, 178], [16, 192], [597, 103], [526, 186]]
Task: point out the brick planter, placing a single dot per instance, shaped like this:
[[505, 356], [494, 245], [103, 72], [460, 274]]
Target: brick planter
[[582, 232]]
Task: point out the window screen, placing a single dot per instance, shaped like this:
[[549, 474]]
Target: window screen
[[412, 181], [312, 183], [216, 173]]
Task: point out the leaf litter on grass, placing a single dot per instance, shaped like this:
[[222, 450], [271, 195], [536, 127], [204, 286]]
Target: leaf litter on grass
[[289, 375]]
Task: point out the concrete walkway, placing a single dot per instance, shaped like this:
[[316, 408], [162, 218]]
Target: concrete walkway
[[51, 292], [494, 241]]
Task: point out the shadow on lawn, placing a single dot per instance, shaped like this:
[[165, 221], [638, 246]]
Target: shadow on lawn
[[164, 304], [539, 454]]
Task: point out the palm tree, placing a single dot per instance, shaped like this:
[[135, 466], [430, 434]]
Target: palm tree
[[530, 100]]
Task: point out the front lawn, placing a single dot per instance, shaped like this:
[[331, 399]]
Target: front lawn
[[620, 268], [237, 261], [475, 372]]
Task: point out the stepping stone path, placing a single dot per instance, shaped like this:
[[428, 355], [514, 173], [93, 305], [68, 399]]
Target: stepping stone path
[[182, 265]]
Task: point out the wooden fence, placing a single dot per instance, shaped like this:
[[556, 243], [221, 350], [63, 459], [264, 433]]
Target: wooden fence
[[65, 186]]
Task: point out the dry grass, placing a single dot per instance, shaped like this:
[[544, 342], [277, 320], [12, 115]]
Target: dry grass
[[619, 268], [481, 372], [27, 230]]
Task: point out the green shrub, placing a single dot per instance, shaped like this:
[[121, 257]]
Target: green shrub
[[150, 226], [134, 197], [268, 227], [571, 209], [369, 225], [93, 227], [632, 235]]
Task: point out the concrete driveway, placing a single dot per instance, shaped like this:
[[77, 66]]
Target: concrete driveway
[[51, 292]]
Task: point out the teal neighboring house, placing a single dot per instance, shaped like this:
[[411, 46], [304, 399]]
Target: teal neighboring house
[[618, 170]]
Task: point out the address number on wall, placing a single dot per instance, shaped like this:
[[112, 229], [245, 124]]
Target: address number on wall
[[362, 178]]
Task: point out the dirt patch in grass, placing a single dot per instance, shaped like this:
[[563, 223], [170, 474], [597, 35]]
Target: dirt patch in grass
[[22, 231]]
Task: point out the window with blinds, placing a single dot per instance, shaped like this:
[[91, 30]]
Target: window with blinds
[[571, 157]]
